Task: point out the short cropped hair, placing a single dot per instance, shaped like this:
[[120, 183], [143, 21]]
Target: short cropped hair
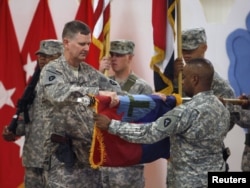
[[73, 27]]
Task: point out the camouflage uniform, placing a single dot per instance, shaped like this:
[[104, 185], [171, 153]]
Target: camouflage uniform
[[131, 176], [139, 87], [244, 122], [222, 88], [34, 131], [196, 131], [67, 163], [33, 148], [191, 39]]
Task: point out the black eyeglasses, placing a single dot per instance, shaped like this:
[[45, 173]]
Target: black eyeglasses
[[116, 54]]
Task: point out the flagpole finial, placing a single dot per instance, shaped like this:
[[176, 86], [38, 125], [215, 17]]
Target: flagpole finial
[[216, 11]]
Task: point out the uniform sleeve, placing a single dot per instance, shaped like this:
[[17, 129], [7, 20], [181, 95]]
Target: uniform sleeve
[[173, 122], [243, 116], [108, 84], [141, 87], [57, 90], [20, 130]]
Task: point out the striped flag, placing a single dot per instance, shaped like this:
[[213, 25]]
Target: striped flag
[[110, 150], [163, 22], [96, 13]]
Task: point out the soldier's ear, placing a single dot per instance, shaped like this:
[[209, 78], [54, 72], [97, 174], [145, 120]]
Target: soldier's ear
[[204, 47]]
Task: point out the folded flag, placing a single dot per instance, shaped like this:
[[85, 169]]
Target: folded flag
[[110, 150]]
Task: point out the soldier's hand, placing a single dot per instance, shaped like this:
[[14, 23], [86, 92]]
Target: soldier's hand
[[246, 103], [161, 95], [102, 121], [104, 64], [8, 135], [113, 96], [178, 66]]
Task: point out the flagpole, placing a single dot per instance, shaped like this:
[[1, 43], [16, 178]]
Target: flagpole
[[107, 48], [107, 39], [179, 43]]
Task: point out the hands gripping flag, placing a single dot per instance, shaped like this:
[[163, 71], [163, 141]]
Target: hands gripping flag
[[111, 150]]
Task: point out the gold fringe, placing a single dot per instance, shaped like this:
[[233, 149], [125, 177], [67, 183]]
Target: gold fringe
[[178, 98], [97, 136]]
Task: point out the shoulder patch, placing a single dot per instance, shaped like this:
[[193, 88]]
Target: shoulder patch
[[51, 77], [167, 121]]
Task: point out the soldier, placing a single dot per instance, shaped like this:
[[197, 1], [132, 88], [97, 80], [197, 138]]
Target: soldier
[[195, 128], [120, 60], [244, 122], [194, 45], [69, 124], [33, 131]]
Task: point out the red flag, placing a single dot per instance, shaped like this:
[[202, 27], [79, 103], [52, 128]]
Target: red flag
[[163, 14], [12, 83], [110, 150], [85, 13], [96, 14], [41, 28]]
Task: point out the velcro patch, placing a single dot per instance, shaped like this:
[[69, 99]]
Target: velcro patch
[[167, 121], [52, 77]]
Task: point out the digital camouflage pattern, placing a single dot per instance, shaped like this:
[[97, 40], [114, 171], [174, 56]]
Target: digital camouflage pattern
[[196, 132], [122, 46], [192, 38], [33, 157], [33, 153], [60, 87], [244, 122], [139, 87], [222, 88], [50, 47], [132, 176], [245, 162]]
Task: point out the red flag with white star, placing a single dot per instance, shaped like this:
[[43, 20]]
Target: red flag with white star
[[12, 83], [41, 28]]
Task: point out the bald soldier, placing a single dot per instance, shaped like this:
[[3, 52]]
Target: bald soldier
[[195, 128], [120, 61], [33, 131]]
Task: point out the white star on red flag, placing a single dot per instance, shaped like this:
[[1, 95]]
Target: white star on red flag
[[6, 96], [20, 143], [29, 68]]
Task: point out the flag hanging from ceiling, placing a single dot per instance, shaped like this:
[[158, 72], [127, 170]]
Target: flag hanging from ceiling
[[12, 83], [163, 22], [41, 28], [110, 150], [96, 13]]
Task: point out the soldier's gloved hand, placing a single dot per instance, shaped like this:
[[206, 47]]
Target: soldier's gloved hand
[[8, 135]]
